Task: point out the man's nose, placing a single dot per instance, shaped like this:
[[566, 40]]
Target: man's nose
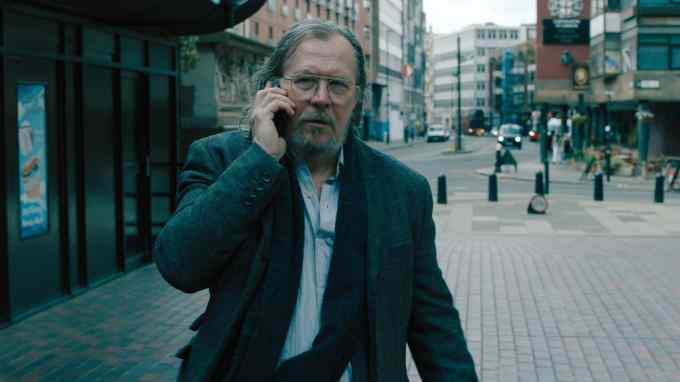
[[321, 95]]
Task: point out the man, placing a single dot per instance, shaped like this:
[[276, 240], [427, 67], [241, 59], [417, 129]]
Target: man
[[318, 251], [555, 136]]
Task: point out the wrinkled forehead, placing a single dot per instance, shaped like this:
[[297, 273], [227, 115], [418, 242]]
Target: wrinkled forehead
[[323, 53]]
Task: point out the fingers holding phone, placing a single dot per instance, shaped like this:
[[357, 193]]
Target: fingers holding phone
[[270, 115]]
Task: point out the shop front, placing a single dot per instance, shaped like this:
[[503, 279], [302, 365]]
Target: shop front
[[90, 118]]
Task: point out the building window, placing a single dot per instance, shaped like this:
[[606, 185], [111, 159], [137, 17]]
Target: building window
[[481, 51], [481, 68], [257, 29], [492, 35], [318, 10], [481, 85], [503, 35], [272, 5], [659, 52], [480, 35], [271, 33], [514, 35], [480, 102]]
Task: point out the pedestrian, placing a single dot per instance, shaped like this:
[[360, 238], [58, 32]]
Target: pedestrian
[[317, 250], [555, 134]]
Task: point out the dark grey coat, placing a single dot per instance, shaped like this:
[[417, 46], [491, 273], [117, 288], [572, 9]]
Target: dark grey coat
[[221, 228]]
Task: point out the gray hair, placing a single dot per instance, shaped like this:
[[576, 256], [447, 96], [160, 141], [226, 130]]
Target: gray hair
[[312, 28]]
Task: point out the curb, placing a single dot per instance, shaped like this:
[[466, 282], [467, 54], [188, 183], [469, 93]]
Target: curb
[[451, 152], [384, 147], [488, 172]]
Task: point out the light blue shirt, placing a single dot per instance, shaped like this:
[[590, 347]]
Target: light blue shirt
[[320, 214]]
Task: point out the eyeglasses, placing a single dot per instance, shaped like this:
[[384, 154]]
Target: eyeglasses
[[340, 90]]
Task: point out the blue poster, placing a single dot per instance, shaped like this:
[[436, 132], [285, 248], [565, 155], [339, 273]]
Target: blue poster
[[32, 127]]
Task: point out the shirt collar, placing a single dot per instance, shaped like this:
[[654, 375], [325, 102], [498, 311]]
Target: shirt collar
[[338, 167]]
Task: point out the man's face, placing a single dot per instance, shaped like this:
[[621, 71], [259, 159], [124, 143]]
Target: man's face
[[322, 114]]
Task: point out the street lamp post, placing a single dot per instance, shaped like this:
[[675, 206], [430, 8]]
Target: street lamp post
[[459, 140]]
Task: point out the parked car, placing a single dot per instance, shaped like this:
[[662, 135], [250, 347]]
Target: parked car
[[534, 135], [477, 131], [510, 134], [437, 133]]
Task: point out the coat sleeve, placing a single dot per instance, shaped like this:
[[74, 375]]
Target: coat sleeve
[[435, 335], [218, 208]]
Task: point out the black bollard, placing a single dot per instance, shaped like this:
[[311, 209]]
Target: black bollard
[[608, 163], [599, 187], [441, 189], [497, 164], [546, 184], [658, 189], [538, 189], [493, 188]]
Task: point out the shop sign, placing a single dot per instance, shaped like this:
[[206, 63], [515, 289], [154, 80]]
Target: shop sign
[[612, 63], [31, 124], [581, 76], [566, 31], [648, 84]]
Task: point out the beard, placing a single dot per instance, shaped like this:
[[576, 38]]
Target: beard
[[301, 140]]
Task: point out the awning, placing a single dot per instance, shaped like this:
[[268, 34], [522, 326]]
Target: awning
[[177, 17]]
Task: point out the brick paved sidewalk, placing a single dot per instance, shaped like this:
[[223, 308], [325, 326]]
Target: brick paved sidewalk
[[125, 330], [551, 307]]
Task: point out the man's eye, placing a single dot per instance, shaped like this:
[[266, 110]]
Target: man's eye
[[338, 86], [305, 83]]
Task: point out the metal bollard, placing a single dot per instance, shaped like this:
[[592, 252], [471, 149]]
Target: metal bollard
[[538, 189], [493, 188], [608, 163], [441, 189], [546, 184], [599, 187], [497, 164], [658, 189]]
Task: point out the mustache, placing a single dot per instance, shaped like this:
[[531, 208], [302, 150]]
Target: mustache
[[317, 117]]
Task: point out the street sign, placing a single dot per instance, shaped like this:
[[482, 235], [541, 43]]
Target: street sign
[[647, 84]]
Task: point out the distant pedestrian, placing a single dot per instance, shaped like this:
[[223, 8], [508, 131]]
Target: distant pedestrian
[[318, 251], [555, 132]]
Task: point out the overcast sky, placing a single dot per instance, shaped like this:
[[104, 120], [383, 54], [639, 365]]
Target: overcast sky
[[447, 16]]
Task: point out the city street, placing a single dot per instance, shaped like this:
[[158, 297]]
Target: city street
[[588, 292]]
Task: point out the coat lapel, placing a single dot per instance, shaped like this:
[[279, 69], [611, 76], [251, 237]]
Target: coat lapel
[[375, 197]]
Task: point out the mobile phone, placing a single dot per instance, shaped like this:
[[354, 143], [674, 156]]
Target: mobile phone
[[280, 117]]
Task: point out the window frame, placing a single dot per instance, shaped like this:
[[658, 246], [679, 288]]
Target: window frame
[[671, 44]]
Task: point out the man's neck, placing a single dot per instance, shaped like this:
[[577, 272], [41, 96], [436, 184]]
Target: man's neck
[[321, 168]]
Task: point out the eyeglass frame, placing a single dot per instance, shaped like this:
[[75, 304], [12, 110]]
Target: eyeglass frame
[[350, 83]]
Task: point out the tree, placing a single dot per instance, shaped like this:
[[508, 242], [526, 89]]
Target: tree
[[188, 53]]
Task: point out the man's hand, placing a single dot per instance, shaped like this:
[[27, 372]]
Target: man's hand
[[268, 102]]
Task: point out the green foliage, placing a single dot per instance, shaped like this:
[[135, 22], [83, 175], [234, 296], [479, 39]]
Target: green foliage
[[188, 53]]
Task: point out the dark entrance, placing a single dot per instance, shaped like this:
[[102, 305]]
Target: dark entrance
[[111, 153], [35, 263]]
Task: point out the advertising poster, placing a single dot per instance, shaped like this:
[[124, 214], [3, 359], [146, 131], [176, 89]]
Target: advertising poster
[[565, 25], [31, 123]]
